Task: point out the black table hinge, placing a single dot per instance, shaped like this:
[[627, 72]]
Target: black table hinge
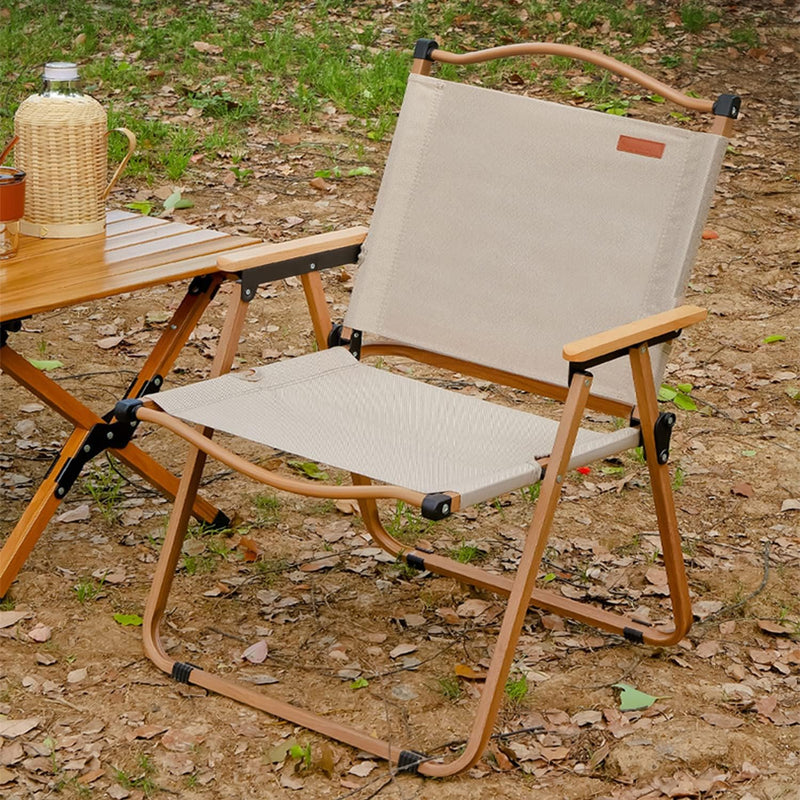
[[100, 437], [200, 284], [10, 326]]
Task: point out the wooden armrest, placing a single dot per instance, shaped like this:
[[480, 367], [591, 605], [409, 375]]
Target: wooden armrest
[[260, 255], [627, 336]]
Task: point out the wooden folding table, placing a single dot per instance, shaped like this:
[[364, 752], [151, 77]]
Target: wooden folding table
[[135, 253]]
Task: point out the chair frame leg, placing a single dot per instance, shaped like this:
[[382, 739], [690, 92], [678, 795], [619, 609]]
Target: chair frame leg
[[520, 590]]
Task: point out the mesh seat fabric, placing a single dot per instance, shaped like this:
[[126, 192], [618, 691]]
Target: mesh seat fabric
[[330, 408]]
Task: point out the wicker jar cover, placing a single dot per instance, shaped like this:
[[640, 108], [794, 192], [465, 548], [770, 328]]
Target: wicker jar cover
[[63, 149]]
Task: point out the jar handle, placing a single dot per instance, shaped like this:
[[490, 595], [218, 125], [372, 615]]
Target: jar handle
[[131, 147]]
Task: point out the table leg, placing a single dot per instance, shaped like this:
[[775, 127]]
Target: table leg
[[53, 489]]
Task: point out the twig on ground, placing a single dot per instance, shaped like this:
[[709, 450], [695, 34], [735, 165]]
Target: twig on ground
[[760, 588]]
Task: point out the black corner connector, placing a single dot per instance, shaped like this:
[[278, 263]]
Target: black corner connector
[[424, 48], [633, 635], [125, 410], [727, 105], [409, 761], [181, 670], [437, 506]]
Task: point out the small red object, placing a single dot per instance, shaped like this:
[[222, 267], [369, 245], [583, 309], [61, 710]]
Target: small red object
[[584, 470]]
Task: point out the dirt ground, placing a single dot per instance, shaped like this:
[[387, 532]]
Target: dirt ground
[[97, 719]]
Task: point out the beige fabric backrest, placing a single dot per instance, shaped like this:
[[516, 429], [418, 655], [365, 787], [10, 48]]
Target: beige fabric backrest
[[507, 226]]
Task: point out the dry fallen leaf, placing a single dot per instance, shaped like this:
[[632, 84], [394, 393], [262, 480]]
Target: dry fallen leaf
[[346, 506], [774, 628], [180, 741], [9, 618], [11, 728], [256, 653], [78, 514], [108, 342], [402, 650], [472, 608], [205, 47], [465, 671], [742, 489], [40, 633], [77, 675], [362, 769], [724, 721]]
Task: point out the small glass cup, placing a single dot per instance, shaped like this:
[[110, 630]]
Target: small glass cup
[[12, 208]]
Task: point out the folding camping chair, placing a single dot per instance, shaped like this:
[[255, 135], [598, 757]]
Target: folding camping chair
[[532, 244]]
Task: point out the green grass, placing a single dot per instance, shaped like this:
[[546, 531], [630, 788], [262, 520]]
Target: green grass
[[104, 486], [696, 16], [272, 65], [86, 589], [142, 778], [406, 525], [450, 687], [267, 509], [516, 690], [466, 553]]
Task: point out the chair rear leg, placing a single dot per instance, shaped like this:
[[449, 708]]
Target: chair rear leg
[[647, 405]]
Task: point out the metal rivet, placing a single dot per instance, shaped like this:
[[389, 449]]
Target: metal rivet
[[559, 478], [109, 435], [586, 382], [60, 491], [445, 509], [312, 266], [643, 348], [86, 448]]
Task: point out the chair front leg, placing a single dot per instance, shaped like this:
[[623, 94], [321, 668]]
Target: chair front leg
[[184, 499], [528, 569]]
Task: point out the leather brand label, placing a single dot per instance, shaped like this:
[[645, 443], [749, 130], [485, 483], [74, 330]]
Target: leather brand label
[[641, 147]]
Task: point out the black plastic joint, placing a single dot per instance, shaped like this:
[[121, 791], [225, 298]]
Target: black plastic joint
[[662, 433], [181, 670], [633, 635], [415, 561], [424, 47], [437, 506], [727, 105], [410, 760], [335, 336], [125, 410]]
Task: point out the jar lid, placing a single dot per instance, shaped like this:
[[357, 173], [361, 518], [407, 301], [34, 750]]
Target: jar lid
[[9, 175], [60, 71]]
